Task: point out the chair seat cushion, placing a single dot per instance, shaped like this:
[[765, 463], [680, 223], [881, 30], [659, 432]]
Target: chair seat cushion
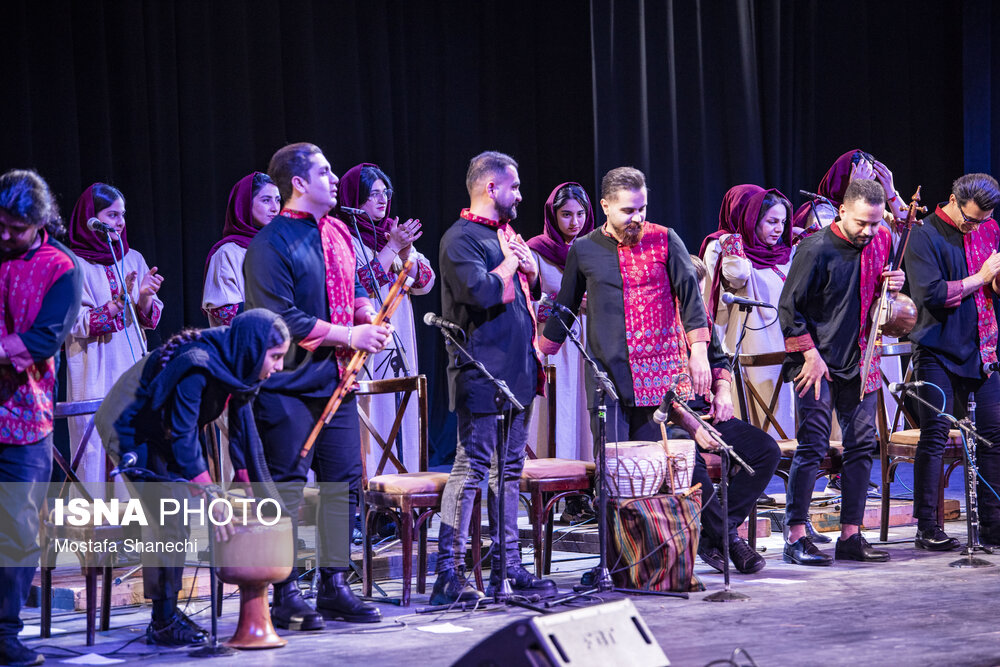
[[411, 482], [556, 468], [789, 446], [911, 436]]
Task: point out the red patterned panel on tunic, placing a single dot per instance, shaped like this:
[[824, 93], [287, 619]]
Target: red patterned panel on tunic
[[978, 247], [657, 343], [338, 255], [26, 392]]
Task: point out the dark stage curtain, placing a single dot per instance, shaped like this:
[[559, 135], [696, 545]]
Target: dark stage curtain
[[175, 101], [980, 98], [704, 95]]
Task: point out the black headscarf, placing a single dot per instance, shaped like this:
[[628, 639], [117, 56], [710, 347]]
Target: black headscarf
[[233, 356]]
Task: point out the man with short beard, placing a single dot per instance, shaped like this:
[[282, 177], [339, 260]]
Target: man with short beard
[[648, 329], [486, 273], [831, 286], [953, 262]]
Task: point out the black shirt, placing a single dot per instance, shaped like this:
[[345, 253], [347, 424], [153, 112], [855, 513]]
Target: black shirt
[[285, 273], [935, 256], [500, 335], [822, 298]]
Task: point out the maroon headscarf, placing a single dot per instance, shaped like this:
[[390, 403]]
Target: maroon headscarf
[[240, 227], [730, 201], [744, 211], [349, 194], [87, 244], [837, 178], [550, 244]]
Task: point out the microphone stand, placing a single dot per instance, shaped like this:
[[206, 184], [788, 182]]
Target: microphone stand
[[503, 593], [213, 649], [725, 453], [120, 272], [398, 354], [602, 582], [967, 428]]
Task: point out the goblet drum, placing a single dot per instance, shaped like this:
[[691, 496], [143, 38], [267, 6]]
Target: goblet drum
[[257, 555]]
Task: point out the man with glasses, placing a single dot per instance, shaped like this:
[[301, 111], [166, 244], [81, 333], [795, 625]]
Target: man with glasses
[[953, 263]]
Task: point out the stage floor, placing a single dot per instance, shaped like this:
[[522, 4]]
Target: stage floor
[[914, 610]]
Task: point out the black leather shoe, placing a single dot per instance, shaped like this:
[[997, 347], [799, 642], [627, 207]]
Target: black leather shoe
[[803, 552], [522, 582], [451, 587], [711, 556], [745, 557], [817, 538], [179, 630], [935, 539], [291, 612], [856, 547], [337, 602], [13, 652]]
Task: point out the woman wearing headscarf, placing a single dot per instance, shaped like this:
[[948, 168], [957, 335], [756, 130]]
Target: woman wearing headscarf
[[749, 257], [104, 341], [820, 212], [157, 410], [253, 202], [568, 214], [382, 244], [852, 165]]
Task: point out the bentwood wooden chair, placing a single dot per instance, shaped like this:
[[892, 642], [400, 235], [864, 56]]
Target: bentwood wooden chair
[[411, 498], [546, 481], [898, 441], [91, 565], [758, 406]]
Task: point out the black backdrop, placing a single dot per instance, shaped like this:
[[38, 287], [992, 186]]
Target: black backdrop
[[174, 101]]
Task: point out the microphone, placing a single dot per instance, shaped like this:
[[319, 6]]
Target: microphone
[[991, 366], [547, 300], [896, 387], [96, 225], [353, 211], [128, 460], [430, 319], [728, 298], [662, 413]]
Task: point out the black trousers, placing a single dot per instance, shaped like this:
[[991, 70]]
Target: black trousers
[[927, 468], [857, 422], [753, 445], [284, 423]]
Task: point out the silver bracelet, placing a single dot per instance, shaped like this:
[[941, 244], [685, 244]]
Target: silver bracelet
[[350, 330]]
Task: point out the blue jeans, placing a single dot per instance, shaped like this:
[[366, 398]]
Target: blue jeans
[[24, 474], [857, 422], [927, 467], [476, 455]]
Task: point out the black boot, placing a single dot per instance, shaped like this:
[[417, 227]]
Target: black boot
[[290, 611], [522, 582], [337, 602], [451, 586]]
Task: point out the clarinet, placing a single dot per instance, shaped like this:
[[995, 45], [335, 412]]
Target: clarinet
[[971, 497]]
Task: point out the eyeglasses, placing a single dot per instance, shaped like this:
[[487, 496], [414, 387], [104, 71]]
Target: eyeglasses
[[973, 221], [376, 195]]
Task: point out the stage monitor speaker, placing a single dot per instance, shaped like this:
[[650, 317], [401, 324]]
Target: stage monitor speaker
[[597, 636]]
